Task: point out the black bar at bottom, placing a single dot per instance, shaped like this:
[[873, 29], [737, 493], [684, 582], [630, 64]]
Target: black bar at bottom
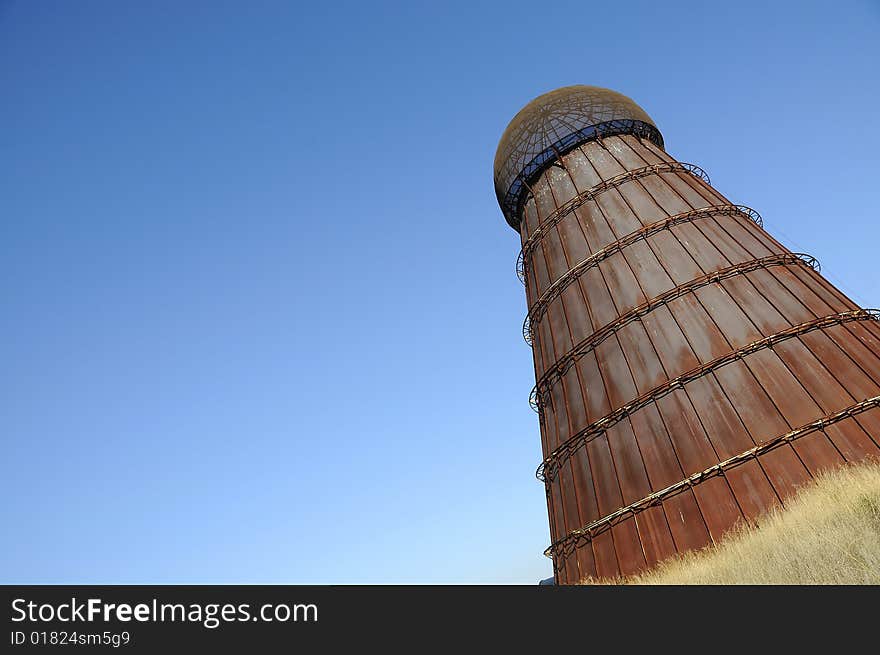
[[197, 619]]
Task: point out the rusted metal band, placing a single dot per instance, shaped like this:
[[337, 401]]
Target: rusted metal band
[[582, 198], [568, 543], [550, 466], [537, 310], [564, 363]]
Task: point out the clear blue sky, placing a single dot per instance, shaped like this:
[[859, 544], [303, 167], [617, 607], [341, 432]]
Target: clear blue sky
[[260, 318]]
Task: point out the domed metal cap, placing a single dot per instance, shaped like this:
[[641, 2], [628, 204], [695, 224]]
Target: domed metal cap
[[553, 124]]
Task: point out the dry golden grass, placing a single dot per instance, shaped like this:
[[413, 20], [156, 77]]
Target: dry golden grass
[[829, 533]]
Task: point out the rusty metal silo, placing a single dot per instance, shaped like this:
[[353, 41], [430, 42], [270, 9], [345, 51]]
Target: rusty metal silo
[[691, 371]]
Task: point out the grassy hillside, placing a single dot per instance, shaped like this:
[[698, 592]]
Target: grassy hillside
[[828, 534]]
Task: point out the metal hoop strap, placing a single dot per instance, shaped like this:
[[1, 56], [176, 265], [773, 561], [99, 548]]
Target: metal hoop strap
[[568, 543], [550, 466], [558, 370], [582, 198], [537, 310]]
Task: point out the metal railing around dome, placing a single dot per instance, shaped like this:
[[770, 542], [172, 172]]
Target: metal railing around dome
[[512, 201]]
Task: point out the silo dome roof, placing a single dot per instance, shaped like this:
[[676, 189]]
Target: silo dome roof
[[554, 123]]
